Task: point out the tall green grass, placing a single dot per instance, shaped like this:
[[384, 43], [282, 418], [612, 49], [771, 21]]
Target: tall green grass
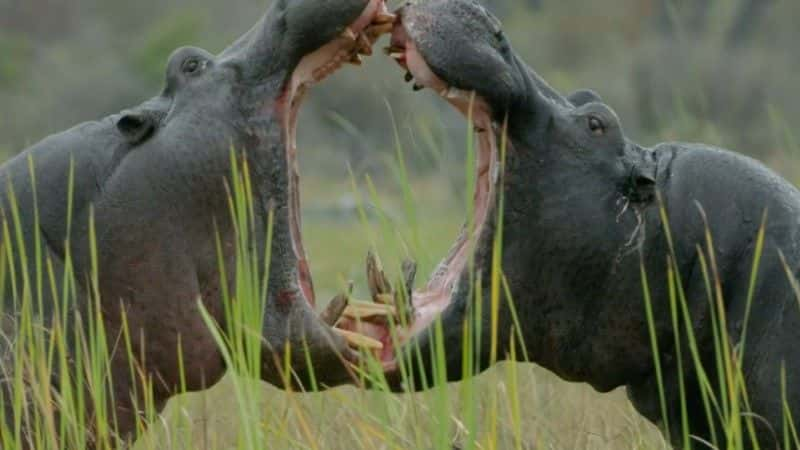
[[512, 406]]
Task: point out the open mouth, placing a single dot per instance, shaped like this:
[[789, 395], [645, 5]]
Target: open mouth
[[356, 40], [412, 317]]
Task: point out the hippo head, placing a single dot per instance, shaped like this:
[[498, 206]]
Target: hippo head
[[554, 179], [246, 100]]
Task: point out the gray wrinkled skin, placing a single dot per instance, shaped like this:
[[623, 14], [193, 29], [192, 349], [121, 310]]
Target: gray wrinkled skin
[[581, 216], [155, 178]]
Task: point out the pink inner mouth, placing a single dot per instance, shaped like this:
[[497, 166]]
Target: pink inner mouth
[[312, 69], [430, 302]]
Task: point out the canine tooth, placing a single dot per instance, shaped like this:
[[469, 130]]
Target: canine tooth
[[376, 280], [409, 275], [404, 299], [359, 340], [366, 310], [384, 17], [349, 34], [409, 77], [397, 56], [335, 309], [365, 46]]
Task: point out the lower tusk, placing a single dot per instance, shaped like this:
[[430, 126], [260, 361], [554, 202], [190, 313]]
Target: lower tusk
[[335, 309], [363, 310], [359, 340]]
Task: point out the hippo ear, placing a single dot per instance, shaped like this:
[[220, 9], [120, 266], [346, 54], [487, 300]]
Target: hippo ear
[[137, 126], [584, 97]]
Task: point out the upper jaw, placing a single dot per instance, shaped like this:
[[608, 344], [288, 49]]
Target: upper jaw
[[292, 30]]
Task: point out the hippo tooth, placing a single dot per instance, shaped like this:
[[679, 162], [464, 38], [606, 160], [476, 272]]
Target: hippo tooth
[[404, 298], [349, 34], [365, 310], [359, 340], [397, 56], [384, 18], [335, 309], [376, 280], [409, 274]]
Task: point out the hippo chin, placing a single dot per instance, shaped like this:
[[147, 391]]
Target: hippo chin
[[578, 207], [154, 178]]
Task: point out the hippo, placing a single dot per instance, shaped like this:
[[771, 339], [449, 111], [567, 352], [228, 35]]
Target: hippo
[[589, 228], [150, 190]]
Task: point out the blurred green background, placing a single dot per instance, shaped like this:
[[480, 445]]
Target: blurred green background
[[724, 72]]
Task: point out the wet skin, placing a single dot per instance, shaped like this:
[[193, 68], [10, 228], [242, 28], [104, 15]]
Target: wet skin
[[155, 179], [581, 224]]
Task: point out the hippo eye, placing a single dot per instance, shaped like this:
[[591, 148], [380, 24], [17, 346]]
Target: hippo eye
[[192, 66], [596, 126]]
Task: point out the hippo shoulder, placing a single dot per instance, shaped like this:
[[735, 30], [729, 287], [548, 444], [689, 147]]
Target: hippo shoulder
[[734, 190], [87, 148], [704, 164]]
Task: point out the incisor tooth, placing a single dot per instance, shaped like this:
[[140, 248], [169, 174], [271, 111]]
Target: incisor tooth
[[359, 340]]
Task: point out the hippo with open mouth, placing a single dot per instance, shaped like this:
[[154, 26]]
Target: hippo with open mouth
[[574, 208], [156, 181]]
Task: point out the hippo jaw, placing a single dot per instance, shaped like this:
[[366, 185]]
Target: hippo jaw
[[448, 290], [296, 45], [533, 144], [355, 40], [346, 48]]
